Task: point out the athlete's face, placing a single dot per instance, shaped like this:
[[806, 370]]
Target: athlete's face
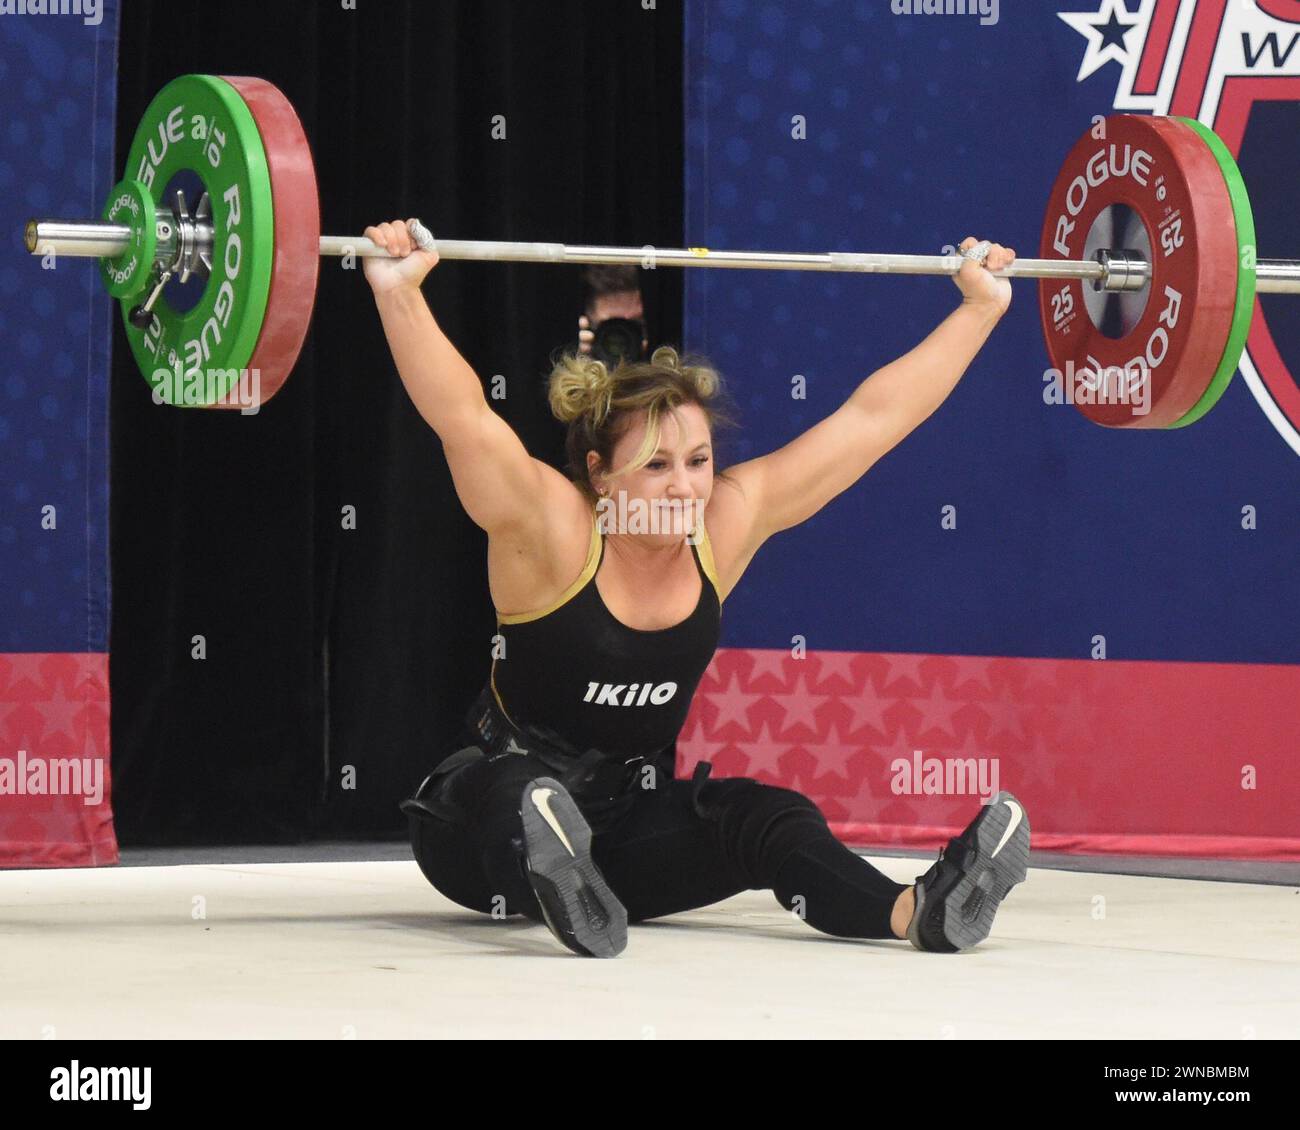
[[679, 472]]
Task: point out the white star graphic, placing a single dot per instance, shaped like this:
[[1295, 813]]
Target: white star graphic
[[732, 704], [767, 662], [867, 708], [60, 712], [973, 674], [836, 664], [937, 711], [1089, 24], [763, 749], [903, 666], [834, 754], [800, 706]]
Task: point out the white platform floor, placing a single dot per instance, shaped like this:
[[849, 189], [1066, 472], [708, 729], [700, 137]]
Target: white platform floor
[[370, 950]]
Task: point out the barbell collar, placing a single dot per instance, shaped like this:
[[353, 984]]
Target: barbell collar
[[1113, 271], [1125, 270]]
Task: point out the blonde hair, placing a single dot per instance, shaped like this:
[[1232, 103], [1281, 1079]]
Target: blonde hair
[[598, 405]]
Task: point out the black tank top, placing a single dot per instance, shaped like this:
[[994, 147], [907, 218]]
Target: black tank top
[[576, 670]]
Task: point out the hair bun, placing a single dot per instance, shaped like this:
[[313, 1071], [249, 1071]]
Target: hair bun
[[581, 386], [666, 356], [600, 389]]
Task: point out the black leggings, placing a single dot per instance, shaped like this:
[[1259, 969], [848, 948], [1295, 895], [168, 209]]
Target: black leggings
[[673, 846]]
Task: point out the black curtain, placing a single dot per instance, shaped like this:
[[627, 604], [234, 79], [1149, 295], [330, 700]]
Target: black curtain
[[339, 662]]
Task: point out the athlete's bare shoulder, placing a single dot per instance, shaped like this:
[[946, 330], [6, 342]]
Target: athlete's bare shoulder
[[728, 518], [537, 560]]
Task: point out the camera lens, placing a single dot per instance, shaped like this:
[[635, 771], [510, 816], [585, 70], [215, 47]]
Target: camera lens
[[618, 339]]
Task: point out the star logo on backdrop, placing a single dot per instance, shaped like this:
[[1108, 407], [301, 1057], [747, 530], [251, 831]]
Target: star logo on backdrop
[[733, 704], [1105, 30], [937, 710], [800, 705], [763, 748], [977, 676], [871, 795], [768, 663], [60, 714], [22, 726], [833, 754], [903, 666], [845, 728], [868, 708], [836, 664], [900, 748]]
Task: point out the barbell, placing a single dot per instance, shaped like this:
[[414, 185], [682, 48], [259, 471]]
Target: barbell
[[1151, 212]]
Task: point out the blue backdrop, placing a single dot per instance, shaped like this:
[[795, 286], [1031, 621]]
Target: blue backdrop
[[922, 130], [59, 77]]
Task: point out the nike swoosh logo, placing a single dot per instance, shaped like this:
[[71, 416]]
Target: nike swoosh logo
[[514, 748], [1017, 813], [541, 799]]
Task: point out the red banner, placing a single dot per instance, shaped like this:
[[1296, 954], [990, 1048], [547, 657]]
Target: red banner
[[1108, 756], [55, 806]]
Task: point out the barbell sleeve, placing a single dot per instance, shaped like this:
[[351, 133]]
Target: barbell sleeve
[[77, 238]]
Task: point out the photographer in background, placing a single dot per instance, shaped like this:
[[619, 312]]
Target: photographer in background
[[613, 327]]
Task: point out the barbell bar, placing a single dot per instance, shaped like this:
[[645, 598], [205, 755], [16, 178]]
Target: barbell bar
[[1111, 270], [254, 243]]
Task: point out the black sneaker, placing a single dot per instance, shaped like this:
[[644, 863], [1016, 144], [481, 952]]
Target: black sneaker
[[576, 901], [958, 897]]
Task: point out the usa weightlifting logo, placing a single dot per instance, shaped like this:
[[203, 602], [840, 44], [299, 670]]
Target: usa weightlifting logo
[[1214, 61]]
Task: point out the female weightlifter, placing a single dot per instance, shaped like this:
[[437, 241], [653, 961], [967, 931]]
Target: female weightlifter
[[560, 801]]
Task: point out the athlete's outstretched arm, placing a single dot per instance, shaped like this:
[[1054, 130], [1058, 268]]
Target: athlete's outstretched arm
[[793, 483], [499, 484]]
